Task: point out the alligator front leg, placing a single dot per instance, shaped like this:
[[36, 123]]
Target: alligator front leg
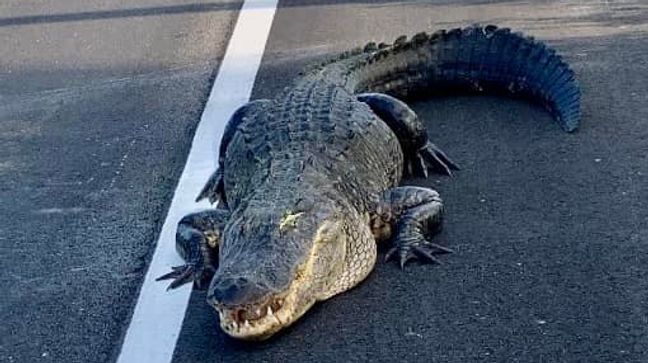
[[197, 239], [419, 152], [409, 216]]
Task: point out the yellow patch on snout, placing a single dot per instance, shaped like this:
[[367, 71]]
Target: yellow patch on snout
[[289, 220]]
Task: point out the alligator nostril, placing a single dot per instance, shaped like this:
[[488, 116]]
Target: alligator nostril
[[232, 291]]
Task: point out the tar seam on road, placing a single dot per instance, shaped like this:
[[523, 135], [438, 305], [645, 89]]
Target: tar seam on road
[[158, 315]]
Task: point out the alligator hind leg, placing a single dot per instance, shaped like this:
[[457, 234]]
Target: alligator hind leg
[[197, 239], [420, 153], [409, 216]]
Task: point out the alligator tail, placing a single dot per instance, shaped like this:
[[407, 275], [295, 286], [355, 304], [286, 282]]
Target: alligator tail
[[475, 58]]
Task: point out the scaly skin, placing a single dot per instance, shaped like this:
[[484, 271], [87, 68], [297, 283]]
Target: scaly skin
[[308, 180]]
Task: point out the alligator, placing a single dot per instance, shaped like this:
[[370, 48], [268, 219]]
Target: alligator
[[307, 184]]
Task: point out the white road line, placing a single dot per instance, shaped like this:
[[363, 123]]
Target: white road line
[[157, 319]]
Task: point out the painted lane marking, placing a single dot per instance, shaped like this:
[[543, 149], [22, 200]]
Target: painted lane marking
[[158, 315]]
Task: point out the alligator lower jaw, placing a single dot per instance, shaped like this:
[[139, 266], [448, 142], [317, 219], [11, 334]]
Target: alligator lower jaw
[[258, 322], [267, 324]]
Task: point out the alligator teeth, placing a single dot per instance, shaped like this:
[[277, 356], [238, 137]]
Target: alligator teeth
[[246, 323], [276, 305], [270, 311], [258, 312]]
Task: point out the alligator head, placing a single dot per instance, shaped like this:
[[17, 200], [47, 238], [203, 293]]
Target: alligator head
[[274, 264]]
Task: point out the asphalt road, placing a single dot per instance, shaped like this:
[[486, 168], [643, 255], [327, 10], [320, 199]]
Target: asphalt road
[[98, 103], [550, 229]]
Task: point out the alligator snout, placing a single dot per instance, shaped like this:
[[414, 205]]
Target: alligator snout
[[235, 291], [246, 309]]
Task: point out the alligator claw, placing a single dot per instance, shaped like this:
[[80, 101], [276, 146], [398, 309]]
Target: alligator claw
[[439, 247], [419, 168], [437, 159], [423, 253], [214, 189], [175, 271], [390, 253], [422, 250], [185, 274], [180, 275]]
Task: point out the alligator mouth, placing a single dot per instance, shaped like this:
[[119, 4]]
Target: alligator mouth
[[260, 320], [257, 321]]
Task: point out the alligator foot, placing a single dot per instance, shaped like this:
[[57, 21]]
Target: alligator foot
[[197, 240], [430, 156], [415, 215], [416, 248], [420, 154]]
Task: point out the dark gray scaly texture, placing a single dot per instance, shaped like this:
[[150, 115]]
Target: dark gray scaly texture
[[309, 179], [472, 59]]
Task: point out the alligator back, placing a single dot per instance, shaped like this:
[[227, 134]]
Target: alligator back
[[316, 139], [317, 123]]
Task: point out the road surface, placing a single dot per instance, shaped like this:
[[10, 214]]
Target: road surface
[[97, 108]]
